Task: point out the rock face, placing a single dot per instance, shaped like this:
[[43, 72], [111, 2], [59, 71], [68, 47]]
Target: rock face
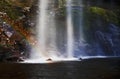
[[14, 20], [107, 41]]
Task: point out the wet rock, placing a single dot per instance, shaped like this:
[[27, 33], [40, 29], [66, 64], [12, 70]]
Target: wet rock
[[49, 59], [108, 40], [105, 43], [14, 59], [80, 59]]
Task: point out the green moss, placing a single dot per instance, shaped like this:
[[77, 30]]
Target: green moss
[[98, 10], [11, 10], [13, 13], [108, 15]]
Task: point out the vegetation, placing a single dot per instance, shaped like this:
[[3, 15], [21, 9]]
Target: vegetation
[[108, 15]]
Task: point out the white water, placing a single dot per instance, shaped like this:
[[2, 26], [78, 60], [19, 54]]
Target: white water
[[81, 39], [41, 27], [46, 32], [46, 46], [70, 37], [38, 50]]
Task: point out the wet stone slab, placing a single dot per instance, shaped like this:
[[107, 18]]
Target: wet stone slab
[[105, 68]]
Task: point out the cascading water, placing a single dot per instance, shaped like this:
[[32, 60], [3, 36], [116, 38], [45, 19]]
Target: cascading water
[[70, 37], [46, 32], [81, 39], [53, 45], [46, 46], [38, 50]]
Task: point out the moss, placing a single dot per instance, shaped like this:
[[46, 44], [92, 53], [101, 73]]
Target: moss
[[21, 3], [14, 14], [108, 15], [11, 10], [98, 10]]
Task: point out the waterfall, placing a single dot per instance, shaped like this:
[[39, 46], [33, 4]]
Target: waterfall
[[81, 38], [39, 49], [46, 41], [41, 27], [70, 37], [82, 43], [65, 41], [46, 46], [45, 32]]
